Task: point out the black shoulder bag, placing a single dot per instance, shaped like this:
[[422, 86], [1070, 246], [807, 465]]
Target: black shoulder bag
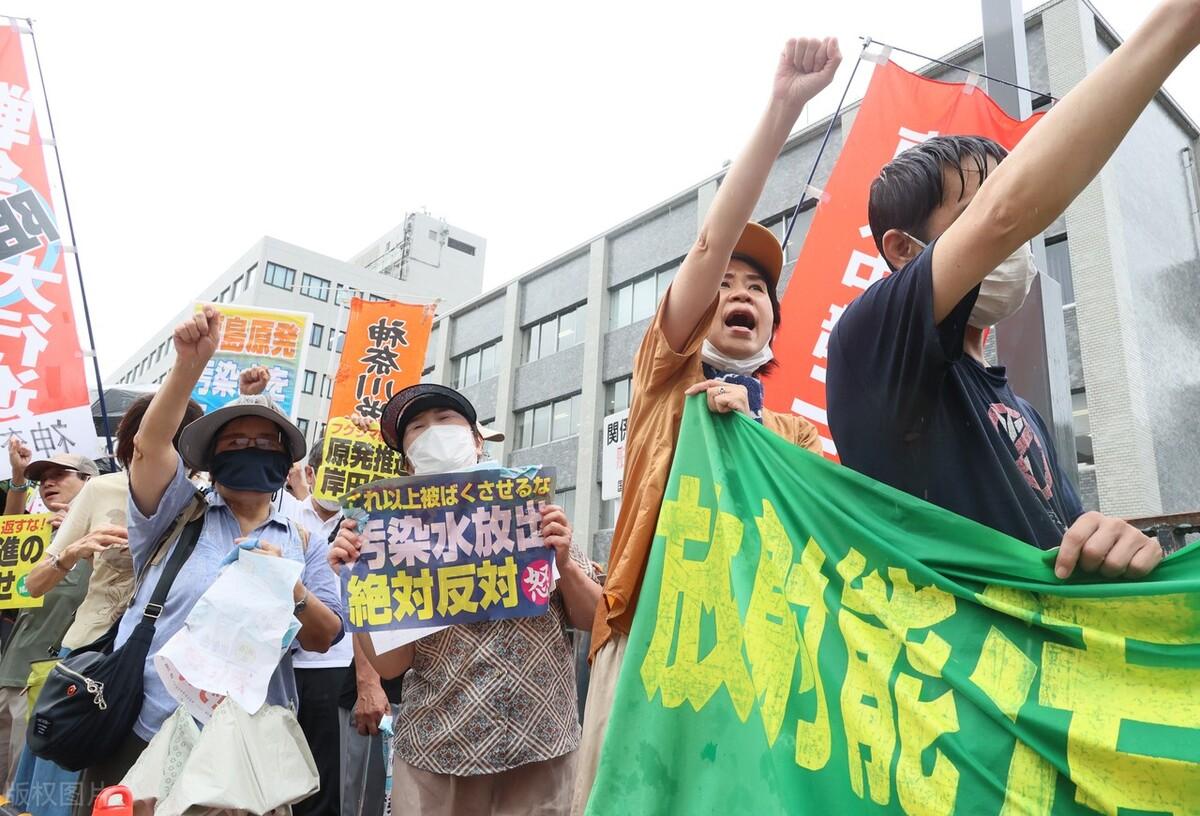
[[93, 697]]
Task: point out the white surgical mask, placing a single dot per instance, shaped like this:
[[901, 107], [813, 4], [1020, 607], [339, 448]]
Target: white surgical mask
[[442, 448], [745, 366], [328, 505], [1003, 292]]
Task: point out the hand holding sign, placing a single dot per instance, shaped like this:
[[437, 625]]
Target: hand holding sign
[[556, 532]]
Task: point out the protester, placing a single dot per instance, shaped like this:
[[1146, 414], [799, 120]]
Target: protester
[[38, 632], [912, 401], [247, 447], [333, 734], [712, 333], [489, 722], [93, 530]]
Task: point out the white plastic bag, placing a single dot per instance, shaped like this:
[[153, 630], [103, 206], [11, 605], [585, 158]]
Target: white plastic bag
[[239, 764]]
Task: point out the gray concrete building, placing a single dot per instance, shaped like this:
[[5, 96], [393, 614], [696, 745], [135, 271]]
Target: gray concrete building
[[423, 258], [548, 355]]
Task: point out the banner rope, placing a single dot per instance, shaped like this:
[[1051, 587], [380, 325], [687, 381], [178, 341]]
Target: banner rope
[[821, 150], [87, 315], [869, 41]]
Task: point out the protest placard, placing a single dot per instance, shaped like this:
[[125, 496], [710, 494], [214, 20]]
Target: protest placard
[[352, 458], [251, 336], [43, 393], [449, 548], [384, 352], [23, 541], [809, 641]]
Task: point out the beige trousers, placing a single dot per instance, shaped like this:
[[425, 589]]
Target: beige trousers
[[536, 789], [606, 667], [14, 709]]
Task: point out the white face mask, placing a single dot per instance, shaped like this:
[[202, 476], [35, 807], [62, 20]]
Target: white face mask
[[328, 505], [1002, 292], [745, 366], [442, 448]]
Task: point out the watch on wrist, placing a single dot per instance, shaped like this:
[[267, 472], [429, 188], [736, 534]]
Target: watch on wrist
[[54, 562], [301, 604]]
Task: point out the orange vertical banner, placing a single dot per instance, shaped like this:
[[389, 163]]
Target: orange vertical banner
[[384, 351], [839, 260], [43, 391]]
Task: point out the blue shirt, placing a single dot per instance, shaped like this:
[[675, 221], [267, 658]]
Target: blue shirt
[[216, 540], [910, 408]]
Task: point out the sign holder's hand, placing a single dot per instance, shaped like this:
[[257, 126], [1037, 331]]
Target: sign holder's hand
[[556, 533], [1107, 545], [346, 547]]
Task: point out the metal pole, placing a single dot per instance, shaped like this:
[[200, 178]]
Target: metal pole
[[87, 315], [1033, 342]]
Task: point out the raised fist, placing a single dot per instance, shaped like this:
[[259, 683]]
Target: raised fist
[[806, 67], [197, 338]]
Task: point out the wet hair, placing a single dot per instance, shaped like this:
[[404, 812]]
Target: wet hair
[[776, 313], [911, 186], [131, 421]]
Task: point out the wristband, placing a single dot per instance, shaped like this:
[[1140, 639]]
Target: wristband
[[22, 486]]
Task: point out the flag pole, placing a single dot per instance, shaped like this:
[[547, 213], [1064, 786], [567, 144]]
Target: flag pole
[[87, 316]]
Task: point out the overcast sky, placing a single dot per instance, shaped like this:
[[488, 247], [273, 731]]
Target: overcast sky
[[187, 135]]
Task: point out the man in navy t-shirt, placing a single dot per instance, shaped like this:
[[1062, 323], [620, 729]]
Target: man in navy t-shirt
[[911, 401]]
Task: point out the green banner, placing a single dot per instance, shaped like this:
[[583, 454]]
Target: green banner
[[810, 641]]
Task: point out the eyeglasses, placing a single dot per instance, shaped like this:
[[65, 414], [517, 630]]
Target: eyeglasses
[[267, 443]]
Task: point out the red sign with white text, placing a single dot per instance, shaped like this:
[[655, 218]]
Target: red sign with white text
[[43, 391], [839, 260]]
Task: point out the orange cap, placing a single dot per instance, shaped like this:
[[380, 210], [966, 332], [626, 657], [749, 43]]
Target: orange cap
[[760, 246]]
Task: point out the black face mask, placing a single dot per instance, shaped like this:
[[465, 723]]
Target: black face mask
[[251, 469]]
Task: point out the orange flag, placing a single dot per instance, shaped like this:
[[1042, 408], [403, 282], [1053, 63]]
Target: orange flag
[[839, 259], [384, 351]]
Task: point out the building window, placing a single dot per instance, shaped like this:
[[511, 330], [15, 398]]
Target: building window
[[281, 277], [341, 342], [233, 290], [1084, 454], [343, 295], [638, 299], [554, 334], [314, 287], [475, 366], [302, 424], [335, 338], [310, 382], [427, 375], [464, 248], [326, 386], [548, 423], [616, 395], [1058, 259], [378, 298], [250, 277], [609, 511], [317, 336], [224, 297], [433, 235], [566, 500]]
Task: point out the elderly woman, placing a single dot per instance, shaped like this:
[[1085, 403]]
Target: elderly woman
[[247, 448], [93, 532]]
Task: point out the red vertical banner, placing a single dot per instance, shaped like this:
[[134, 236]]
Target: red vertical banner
[[43, 391], [383, 352], [839, 260]]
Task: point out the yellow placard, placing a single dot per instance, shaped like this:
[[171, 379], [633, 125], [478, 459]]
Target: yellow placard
[[23, 542], [352, 458]]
